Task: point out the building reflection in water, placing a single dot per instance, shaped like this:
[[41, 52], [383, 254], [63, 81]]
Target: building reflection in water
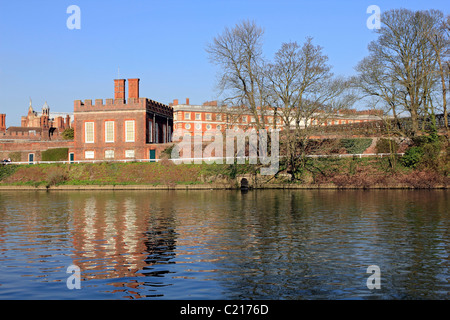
[[117, 237], [259, 244]]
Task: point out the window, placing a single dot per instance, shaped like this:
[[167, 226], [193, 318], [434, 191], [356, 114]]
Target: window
[[208, 127], [198, 116], [109, 131], [129, 131], [89, 132], [89, 154], [129, 153], [244, 119], [198, 126], [218, 127], [187, 126], [150, 131], [175, 116], [208, 116], [218, 117], [187, 116], [109, 154], [164, 133], [252, 119]]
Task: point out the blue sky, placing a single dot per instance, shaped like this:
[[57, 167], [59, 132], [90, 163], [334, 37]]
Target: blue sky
[[161, 42]]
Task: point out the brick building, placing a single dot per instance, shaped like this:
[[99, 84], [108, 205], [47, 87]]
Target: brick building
[[120, 129], [45, 119], [197, 119], [38, 132]]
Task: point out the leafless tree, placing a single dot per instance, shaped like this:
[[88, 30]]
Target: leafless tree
[[402, 65], [238, 52], [438, 35], [302, 89]]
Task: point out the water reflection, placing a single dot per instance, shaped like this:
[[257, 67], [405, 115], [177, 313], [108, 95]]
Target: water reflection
[[225, 245]]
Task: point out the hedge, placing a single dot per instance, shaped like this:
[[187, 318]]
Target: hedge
[[356, 145], [57, 154]]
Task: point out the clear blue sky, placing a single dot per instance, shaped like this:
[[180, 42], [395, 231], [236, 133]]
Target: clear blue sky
[[161, 42]]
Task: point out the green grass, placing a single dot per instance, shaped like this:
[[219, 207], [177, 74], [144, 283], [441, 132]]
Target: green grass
[[7, 170]]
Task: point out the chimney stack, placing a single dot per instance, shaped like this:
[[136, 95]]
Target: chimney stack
[[187, 101], [133, 88], [119, 89], [2, 122], [175, 102]]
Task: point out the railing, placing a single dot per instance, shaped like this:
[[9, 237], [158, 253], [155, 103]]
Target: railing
[[357, 155]]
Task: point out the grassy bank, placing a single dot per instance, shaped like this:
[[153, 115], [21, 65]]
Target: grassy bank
[[425, 164], [337, 172]]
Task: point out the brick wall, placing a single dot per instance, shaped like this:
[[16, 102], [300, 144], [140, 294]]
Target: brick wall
[[7, 148]]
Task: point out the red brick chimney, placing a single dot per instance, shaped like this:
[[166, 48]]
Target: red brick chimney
[[175, 102], [133, 88], [119, 89], [187, 101], [2, 122]]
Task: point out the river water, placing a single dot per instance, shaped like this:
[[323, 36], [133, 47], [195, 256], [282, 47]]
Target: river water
[[266, 244]]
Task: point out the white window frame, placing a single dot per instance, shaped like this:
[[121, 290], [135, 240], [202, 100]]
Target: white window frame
[[130, 154], [150, 131], [187, 116], [110, 122], [87, 154], [109, 154], [208, 116], [86, 132], [198, 116], [128, 139]]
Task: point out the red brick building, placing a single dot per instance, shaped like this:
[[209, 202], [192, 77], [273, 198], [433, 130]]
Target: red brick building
[[197, 119], [120, 129]]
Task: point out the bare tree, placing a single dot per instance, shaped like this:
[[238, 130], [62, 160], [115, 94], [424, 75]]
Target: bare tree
[[377, 83], [303, 89], [438, 35], [238, 51], [404, 53]]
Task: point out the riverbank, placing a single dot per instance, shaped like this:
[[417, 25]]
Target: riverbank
[[207, 187], [321, 173]]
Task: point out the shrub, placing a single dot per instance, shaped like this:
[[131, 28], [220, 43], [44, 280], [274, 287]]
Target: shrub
[[7, 170], [412, 157], [57, 154], [56, 176], [386, 146], [430, 156], [355, 145], [68, 134]]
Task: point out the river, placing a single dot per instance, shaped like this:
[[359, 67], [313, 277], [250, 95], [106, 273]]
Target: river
[[261, 244]]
